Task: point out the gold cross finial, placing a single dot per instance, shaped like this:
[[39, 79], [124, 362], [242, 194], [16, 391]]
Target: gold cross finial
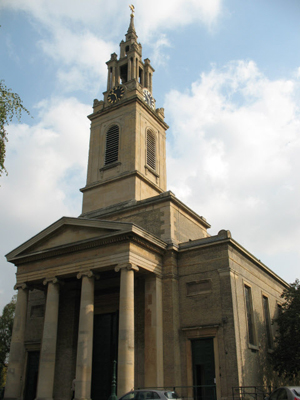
[[132, 8]]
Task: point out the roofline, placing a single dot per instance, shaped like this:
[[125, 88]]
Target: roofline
[[116, 208], [131, 228], [224, 237]]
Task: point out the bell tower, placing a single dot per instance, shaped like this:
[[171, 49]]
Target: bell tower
[[127, 154]]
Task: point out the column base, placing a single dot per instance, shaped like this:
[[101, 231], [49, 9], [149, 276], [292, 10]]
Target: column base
[[81, 398], [11, 398], [44, 398]]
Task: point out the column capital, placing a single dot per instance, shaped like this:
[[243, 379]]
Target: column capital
[[89, 274], [21, 285], [53, 280], [128, 266]]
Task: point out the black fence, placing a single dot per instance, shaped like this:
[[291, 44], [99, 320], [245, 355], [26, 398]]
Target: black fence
[[208, 392], [250, 392], [203, 392]]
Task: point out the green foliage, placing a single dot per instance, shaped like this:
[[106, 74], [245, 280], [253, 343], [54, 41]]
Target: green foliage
[[286, 356], [6, 326], [10, 106]]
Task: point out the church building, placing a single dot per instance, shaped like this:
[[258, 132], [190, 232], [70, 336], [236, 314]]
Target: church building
[[136, 277]]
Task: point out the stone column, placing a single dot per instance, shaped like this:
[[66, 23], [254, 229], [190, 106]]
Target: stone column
[[154, 373], [126, 329], [137, 69], [133, 73], [172, 359], [117, 75], [14, 378], [129, 69], [85, 338], [108, 79], [113, 76], [48, 349]]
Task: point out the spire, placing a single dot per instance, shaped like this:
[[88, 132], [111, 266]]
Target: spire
[[131, 25], [131, 33]]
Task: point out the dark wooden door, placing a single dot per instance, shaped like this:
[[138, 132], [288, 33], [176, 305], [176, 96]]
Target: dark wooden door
[[32, 370], [203, 369], [105, 351]]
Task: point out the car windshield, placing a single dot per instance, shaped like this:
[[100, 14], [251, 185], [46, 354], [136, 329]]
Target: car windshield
[[171, 395]]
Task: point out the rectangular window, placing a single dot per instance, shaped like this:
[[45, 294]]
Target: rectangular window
[[249, 312], [267, 322], [123, 73], [112, 145], [151, 153]]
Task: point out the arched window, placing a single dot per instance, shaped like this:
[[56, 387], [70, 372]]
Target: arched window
[[112, 145], [151, 150]]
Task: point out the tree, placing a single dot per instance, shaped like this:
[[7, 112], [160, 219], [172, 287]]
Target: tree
[[6, 326], [10, 106], [286, 355]]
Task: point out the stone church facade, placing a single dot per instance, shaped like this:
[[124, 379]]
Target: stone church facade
[[136, 277]]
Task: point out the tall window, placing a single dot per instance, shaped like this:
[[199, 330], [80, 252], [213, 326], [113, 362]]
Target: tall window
[[123, 73], [112, 145], [267, 322], [249, 312], [151, 152]]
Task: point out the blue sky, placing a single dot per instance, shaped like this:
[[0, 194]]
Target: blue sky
[[227, 73]]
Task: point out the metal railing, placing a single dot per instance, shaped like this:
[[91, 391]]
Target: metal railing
[[200, 392], [250, 392]]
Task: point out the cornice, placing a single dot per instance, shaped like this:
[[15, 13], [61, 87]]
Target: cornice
[[125, 102], [120, 177], [163, 197], [135, 235]]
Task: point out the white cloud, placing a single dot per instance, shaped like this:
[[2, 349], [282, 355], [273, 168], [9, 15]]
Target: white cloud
[[41, 157], [56, 13], [70, 31], [64, 22], [158, 15], [159, 46], [234, 156], [150, 16], [46, 164], [80, 56]]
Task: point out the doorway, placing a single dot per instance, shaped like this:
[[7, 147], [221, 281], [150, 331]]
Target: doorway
[[32, 370], [105, 351], [204, 380]]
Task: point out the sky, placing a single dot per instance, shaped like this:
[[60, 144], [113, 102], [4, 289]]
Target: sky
[[227, 73]]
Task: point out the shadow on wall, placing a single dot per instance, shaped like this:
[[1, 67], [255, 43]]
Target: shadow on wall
[[257, 369]]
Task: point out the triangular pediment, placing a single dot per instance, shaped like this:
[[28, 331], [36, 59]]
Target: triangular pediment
[[66, 235], [68, 231]]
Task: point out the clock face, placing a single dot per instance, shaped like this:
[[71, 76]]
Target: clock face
[[115, 94], [148, 98]]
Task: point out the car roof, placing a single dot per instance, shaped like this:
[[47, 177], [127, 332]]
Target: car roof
[[153, 390], [292, 387]]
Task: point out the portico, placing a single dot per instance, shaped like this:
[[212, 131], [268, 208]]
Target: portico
[[96, 261]]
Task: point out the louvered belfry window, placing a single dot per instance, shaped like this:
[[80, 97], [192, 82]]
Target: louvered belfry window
[[151, 153], [112, 145]]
